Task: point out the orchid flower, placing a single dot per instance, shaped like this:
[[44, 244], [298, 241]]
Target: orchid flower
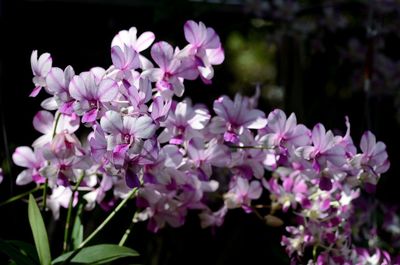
[[45, 123], [235, 116], [242, 193], [125, 133], [58, 83], [171, 72], [129, 39], [184, 122], [40, 69], [91, 93], [33, 161], [205, 46]]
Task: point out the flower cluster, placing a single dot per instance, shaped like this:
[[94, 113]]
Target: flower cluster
[[178, 154]]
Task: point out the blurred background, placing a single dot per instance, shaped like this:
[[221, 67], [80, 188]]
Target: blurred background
[[323, 60]]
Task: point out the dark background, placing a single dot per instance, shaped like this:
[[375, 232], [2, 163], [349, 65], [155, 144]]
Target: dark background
[[79, 33]]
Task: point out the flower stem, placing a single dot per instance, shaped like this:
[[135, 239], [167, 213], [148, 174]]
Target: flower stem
[[262, 147], [55, 124], [131, 194], [127, 232], [46, 184], [19, 196], [69, 213]]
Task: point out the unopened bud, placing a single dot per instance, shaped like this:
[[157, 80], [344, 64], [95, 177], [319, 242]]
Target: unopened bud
[[273, 221]]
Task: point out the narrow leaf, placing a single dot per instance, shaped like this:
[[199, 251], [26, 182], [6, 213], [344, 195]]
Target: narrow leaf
[[15, 254], [77, 233], [39, 232], [26, 248], [98, 254]]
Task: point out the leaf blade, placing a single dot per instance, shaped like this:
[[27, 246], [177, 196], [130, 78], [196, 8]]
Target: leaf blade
[[39, 232], [98, 254], [14, 253]]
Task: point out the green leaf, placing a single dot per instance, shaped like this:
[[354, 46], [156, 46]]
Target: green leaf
[[39, 232], [26, 248], [18, 256], [77, 233], [98, 254]]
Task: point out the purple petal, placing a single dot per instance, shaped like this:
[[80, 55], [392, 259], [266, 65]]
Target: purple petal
[[223, 106], [34, 62], [193, 32], [67, 108], [288, 184], [379, 153], [44, 64], [90, 116], [162, 53], [160, 109], [153, 74], [43, 122], [200, 119], [255, 190], [277, 121], [145, 63], [24, 157], [368, 142], [142, 127], [216, 56], [55, 80], [325, 184], [24, 177], [35, 91], [231, 137], [68, 123], [336, 155], [300, 136], [255, 119], [98, 143], [132, 179], [117, 57], [108, 90], [77, 88], [318, 135], [187, 70], [144, 41], [111, 122], [212, 39], [119, 154]]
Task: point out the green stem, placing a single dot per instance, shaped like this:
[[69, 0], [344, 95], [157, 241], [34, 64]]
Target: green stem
[[55, 125], [19, 196], [131, 194], [314, 252], [262, 147], [69, 213], [46, 184], [127, 232]]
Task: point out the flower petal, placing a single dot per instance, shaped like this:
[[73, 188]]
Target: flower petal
[[144, 41], [24, 177], [162, 53], [142, 127], [108, 90], [90, 116], [111, 122], [24, 157], [43, 122], [77, 88], [368, 142]]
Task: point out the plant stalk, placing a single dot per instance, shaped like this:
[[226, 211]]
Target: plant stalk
[[19, 196], [131, 194], [69, 213]]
